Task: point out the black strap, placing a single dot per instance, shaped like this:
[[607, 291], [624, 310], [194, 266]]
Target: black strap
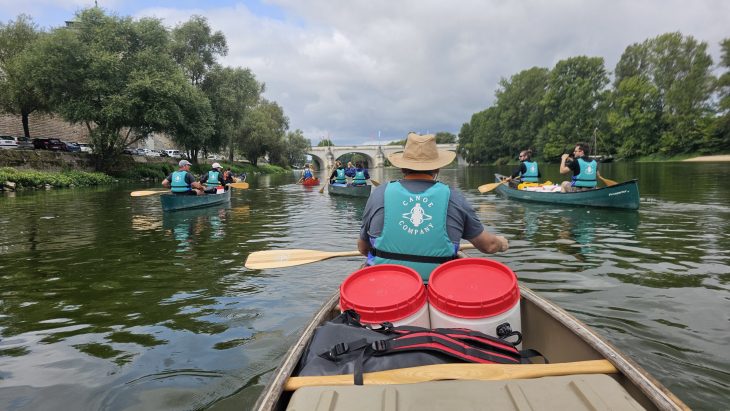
[[411, 257]]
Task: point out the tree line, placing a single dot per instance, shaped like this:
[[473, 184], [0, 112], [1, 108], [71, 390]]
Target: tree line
[[663, 99], [126, 79]]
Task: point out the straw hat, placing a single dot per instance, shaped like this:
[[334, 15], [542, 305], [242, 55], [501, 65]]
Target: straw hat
[[421, 154]]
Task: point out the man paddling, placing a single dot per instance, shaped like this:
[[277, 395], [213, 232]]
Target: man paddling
[[418, 221], [183, 181], [583, 167]]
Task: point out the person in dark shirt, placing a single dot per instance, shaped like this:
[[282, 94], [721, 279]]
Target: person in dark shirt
[[182, 181], [583, 167]]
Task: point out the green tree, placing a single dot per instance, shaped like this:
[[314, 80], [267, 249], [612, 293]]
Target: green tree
[[443, 137], [634, 117], [296, 148], [18, 92], [115, 76], [680, 69], [195, 47], [233, 93], [325, 142], [479, 140], [573, 103], [521, 114], [719, 138], [263, 133]]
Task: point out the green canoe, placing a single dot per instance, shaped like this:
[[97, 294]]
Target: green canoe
[[350, 190], [622, 195], [174, 202]]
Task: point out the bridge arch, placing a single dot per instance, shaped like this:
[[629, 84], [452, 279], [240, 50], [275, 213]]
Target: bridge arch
[[376, 154]]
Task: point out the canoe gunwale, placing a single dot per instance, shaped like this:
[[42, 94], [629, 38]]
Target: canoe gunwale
[[350, 191]]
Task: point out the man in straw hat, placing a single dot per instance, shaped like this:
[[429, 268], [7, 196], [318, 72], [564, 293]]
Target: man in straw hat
[[418, 221]]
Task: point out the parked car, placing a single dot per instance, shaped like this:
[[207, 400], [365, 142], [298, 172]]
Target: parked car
[[72, 147], [173, 153], [8, 142], [49, 144], [24, 143], [85, 148], [129, 151]]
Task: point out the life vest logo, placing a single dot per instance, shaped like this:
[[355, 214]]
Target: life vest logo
[[533, 169], [417, 217], [589, 170], [178, 178]]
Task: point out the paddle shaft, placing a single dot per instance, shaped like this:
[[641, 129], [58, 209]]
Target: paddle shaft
[[493, 372]]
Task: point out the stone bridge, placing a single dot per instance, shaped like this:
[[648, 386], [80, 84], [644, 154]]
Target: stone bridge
[[325, 157]]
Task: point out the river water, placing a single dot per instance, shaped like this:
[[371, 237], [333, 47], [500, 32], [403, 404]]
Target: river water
[[107, 303]]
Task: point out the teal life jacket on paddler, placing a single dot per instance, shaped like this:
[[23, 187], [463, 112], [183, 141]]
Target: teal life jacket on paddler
[[531, 174], [359, 179], [587, 176], [414, 229], [212, 180], [340, 177], [178, 183]]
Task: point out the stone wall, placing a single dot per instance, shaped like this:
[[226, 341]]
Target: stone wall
[[46, 160], [50, 126]]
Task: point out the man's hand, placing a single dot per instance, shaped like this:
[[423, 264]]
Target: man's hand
[[503, 242]]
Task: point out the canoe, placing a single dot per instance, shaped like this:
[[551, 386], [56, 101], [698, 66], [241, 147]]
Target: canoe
[[311, 182], [173, 202], [584, 369], [622, 195], [350, 190]]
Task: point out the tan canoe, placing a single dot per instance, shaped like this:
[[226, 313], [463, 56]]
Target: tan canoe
[[585, 372]]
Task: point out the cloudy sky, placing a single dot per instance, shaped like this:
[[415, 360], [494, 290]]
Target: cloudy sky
[[354, 70]]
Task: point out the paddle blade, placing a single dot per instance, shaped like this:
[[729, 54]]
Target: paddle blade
[[243, 186], [374, 182], [260, 260], [143, 193], [607, 182], [489, 187]]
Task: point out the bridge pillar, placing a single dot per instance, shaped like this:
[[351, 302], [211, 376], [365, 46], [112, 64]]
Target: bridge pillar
[[379, 157], [329, 159]]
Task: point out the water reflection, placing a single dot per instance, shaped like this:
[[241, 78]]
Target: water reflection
[[188, 227]]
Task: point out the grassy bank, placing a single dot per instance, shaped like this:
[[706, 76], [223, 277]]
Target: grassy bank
[[40, 179], [151, 171]]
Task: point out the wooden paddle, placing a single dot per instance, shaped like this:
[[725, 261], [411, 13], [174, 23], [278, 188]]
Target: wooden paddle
[[259, 260], [243, 186], [491, 186], [143, 193], [374, 182], [326, 182], [606, 181], [492, 372]]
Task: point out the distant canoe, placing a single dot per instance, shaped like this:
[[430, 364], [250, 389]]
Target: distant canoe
[[311, 182], [350, 190], [622, 195], [174, 202]]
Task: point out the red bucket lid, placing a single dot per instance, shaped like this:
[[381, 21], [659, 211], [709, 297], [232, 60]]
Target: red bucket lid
[[473, 288], [385, 292]]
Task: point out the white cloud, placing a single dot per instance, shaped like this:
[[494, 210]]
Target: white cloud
[[349, 69]]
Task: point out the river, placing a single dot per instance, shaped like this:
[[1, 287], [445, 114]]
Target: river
[[107, 303]]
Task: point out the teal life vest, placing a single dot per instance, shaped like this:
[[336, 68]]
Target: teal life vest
[[414, 229], [212, 180], [340, 178], [178, 183], [531, 174], [359, 179], [587, 176]]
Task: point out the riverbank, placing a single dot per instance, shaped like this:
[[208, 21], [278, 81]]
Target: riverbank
[[723, 157], [47, 169]]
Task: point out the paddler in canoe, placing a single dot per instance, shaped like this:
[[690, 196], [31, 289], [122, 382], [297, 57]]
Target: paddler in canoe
[[182, 181], [307, 174], [213, 179], [418, 221], [584, 168], [361, 175], [338, 175]]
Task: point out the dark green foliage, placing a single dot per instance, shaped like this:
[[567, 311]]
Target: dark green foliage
[[33, 178]]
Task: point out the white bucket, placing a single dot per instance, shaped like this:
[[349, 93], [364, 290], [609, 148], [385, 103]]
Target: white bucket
[[475, 293]]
